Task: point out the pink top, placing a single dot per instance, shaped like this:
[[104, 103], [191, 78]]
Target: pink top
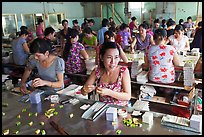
[[40, 32], [116, 87]]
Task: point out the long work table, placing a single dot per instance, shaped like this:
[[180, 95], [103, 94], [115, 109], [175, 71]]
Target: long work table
[[68, 119]]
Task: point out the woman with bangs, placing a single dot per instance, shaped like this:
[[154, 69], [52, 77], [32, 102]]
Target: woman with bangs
[[110, 80]]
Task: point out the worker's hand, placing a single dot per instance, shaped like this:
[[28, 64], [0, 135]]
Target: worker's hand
[[37, 82], [88, 88], [102, 91], [23, 88]]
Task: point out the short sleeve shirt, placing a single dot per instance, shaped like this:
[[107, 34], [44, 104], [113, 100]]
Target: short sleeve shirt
[[19, 55], [50, 73], [161, 68], [125, 36], [141, 45], [178, 44], [74, 63], [90, 41]]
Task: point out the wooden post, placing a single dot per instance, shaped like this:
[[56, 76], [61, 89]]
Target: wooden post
[[101, 12], [113, 12]]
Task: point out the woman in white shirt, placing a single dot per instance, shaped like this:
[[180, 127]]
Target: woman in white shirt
[[179, 40]]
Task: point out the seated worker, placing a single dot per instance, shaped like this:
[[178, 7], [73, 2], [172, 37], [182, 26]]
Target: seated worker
[[64, 32], [160, 59], [197, 41], [76, 26], [126, 37], [110, 37], [89, 41], [104, 28], [179, 40], [50, 68], [49, 34], [30, 37], [142, 39], [112, 80], [20, 48], [74, 54]]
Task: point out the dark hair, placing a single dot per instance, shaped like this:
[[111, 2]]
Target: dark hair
[[85, 19], [189, 18], [40, 20], [91, 20], [88, 30], [105, 22], [163, 21], [110, 18], [63, 21], [159, 34], [200, 23], [23, 32], [23, 28], [123, 26], [143, 25], [147, 26], [156, 20], [170, 22], [133, 18], [49, 30], [75, 22], [180, 21], [39, 45], [107, 35], [66, 52], [178, 27], [112, 28], [105, 47]]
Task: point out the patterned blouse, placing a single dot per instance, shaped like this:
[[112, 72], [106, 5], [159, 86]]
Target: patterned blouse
[[74, 63], [141, 45], [116, 86], [160, 59]]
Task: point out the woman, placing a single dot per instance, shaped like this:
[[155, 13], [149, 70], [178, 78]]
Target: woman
[[40, 29], [142, 39], [133, 25], [109, 36], [20, 48], [126, 38], [160, 59], [89, 41], [49, 66], [112, 81], [74, 54], [179, 40]]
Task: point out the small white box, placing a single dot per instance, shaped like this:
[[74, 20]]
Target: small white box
[[54, 98], [147, 117], [196, 122], [111, 114]]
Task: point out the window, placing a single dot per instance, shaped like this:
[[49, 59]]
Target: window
[[28, 20], [9, 24]]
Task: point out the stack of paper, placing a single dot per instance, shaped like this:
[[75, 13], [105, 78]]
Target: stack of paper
[[70, 90], [188, 74], [136, 67], [142, 77], [141, 105]]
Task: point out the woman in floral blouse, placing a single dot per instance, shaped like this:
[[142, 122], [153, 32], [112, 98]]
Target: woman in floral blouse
[[161, 59], [74, 54], [111, 81]]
